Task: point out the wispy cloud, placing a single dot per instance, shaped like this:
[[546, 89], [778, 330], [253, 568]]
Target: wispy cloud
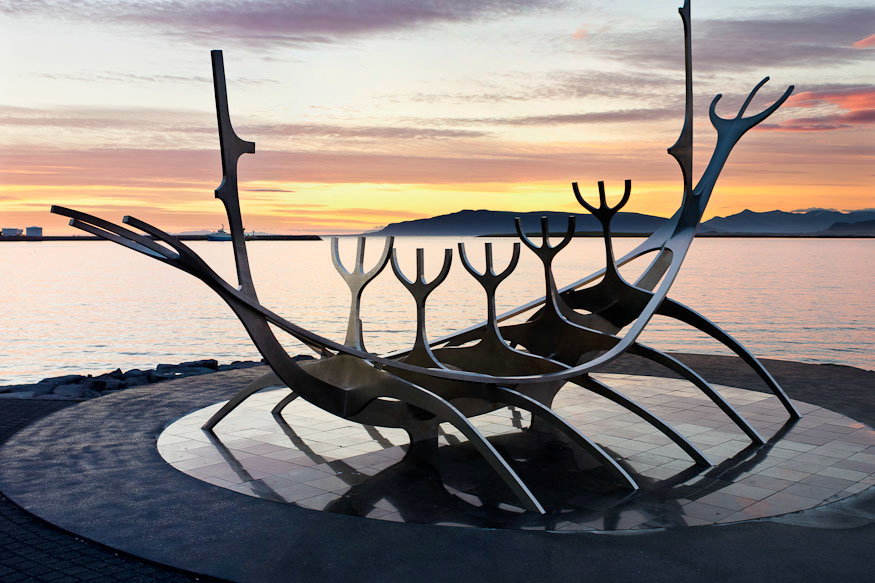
[[187, 169], [559, 85], [803, 37], [370, 132], [114, 77], [173, 121], [279, 22], [614, 116]]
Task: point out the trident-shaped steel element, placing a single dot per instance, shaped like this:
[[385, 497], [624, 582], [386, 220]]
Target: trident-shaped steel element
[[420, 289], [490, 281], [547, 253], [357, 279], [605, 213]]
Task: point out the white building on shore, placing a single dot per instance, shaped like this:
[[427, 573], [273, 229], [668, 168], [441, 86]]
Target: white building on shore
[[34, 231], [10, 232]]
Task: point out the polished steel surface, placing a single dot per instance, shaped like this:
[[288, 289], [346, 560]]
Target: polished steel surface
[[412, 389]]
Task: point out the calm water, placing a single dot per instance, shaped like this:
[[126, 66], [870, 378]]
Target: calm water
[[93, 306]]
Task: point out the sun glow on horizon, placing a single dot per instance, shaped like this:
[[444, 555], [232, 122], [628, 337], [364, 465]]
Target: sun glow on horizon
[[365, 121]]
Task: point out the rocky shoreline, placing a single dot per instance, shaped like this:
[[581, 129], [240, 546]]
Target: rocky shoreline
[[74, 387]]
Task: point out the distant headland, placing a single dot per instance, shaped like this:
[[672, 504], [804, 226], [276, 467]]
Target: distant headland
[[812, 223]]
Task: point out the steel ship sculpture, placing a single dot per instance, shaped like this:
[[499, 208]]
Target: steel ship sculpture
[[570, 332]]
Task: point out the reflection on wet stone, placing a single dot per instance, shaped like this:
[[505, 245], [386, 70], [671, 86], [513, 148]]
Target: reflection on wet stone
[[310, 458]]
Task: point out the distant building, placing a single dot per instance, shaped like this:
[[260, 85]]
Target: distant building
[[34, 231], [8, 232]]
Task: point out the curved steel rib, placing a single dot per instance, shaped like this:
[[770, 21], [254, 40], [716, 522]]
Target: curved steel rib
[[682, 313], [262, 382], [441, 408], [516, 399], [589, 383], [703, 385]]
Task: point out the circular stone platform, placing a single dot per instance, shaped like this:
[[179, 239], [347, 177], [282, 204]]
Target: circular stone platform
[[318, 461], [95, 470]]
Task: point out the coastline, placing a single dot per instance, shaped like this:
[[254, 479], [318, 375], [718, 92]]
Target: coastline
[[180, 237], [582, 234], [599, 234], [81, 387]]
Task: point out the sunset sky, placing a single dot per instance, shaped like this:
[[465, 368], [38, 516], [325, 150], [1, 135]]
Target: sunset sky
[[366, 112]]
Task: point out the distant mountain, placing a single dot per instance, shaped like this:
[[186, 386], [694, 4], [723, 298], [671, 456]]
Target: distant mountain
[[484, 222], [200, 232], [862, 228], [783, 222]]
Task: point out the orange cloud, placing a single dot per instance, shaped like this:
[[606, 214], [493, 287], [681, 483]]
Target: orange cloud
[[580, 33]]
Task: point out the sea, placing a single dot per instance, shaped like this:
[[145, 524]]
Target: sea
[[79, 307]]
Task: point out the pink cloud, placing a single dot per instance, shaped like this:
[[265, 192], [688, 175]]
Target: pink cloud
[[580, 33], [856, 107], [865, 43]]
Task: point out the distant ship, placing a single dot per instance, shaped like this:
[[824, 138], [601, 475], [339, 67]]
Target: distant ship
[[220, 235]]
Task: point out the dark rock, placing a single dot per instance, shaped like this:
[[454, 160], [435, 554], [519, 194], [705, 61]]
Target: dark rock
[[16, 388], [63, 380], [32, 389], [210, 363], [164, 368], [18, 395], [76, 391], [42, 388], [116, 374], [103, 383], [136, 381], [134, 373], [238, 364]]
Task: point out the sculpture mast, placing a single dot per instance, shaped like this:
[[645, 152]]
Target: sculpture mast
[[232, 148]]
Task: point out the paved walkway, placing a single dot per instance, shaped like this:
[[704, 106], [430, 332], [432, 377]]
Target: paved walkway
[[832, 545], [32, 550]]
